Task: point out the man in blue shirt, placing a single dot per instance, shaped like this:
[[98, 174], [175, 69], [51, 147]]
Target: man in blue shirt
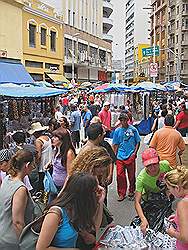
[[87, 116], [75, 120], [126, 142]]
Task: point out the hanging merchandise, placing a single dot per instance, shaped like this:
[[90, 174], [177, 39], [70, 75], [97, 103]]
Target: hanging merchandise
[[13, 110]]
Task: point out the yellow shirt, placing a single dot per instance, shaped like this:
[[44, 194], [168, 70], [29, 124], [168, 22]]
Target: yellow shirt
[[166, 141]]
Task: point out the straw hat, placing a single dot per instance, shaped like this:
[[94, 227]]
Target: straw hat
[[35, 127]]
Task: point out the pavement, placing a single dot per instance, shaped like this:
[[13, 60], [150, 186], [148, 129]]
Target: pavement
[[123, 211]]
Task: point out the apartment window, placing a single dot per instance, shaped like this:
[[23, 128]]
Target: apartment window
[[93, 27], [50, 65], [82, 23], [96, 29], [69, 17], [177, 25], [183, 37], [85, 24], [178, 10], [33, 64], [53, 40], [73, 19], [43, 36], [176, 38], [32, 35]]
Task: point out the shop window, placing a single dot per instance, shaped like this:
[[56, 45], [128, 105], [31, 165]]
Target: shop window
[[53, 40], [51, 66], [33, 64], [43, 36], [32, 35], [69, 17]]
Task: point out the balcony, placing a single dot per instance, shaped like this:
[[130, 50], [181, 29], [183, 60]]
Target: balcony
[[185, 13], [172, 16], [184, 57], [171, 57], [172, 3], [107, 24], [185, 27], [184, 72], [184, 43], [107, 8], [171, 30], [171, 45], [108, 38]]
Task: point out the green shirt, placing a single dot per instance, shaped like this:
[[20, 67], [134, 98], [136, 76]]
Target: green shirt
[[146, 183]]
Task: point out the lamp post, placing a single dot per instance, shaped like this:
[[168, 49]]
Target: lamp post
[[73, 55], [154, 34]]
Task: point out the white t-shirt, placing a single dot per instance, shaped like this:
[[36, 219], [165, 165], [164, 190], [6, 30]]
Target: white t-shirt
[[58, 115]]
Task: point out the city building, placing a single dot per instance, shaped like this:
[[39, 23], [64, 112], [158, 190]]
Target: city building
[[87, 44], [136, 31], [177, 41], [141, 64], [160, 15], [11, 30], [42, 41]]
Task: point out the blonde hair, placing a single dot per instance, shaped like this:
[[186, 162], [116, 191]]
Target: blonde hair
[[90, 159], [95, 119], [178, 177]]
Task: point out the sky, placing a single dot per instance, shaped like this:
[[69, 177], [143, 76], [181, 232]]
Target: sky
[[118, 29]]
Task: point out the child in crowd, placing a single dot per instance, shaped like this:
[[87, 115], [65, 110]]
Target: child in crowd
[[177, 183]]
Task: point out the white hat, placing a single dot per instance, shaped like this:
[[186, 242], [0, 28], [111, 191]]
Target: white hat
[[35, 127], [106, 104]]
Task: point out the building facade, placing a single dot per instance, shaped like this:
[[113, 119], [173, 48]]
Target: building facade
[[177, 41], [11, 41], [160, 15], [135, 18], [87, 44], [42, 41]]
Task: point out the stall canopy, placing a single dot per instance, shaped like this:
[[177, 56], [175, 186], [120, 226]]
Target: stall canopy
[[11, 72], [58, 78], [108, 87], [16, 91]]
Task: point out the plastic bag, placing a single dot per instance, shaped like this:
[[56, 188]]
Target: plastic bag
[[49, 185]]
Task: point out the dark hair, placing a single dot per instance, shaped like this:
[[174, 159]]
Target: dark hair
[[94, 130], [53, 123], [18, 160], [19, 137], [64, 135], [164, 113], [169, 120], [79, 199], [65, 121]]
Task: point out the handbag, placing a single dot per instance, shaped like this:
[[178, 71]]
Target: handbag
[[49, 185]]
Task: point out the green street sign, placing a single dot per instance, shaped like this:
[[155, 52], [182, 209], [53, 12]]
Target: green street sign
[[150, 51]]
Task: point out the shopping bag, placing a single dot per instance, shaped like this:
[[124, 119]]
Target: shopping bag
[[49, 185]]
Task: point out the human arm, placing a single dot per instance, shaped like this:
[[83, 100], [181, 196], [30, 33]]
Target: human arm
[[153, 142], [49, 229], [70, 158], [19, 204], [136, 149], [154, 125], [115, 148], [181, 146], [38, 145], [98, 216], [110, 175], [182, 212], [144, 222], [177, 124]]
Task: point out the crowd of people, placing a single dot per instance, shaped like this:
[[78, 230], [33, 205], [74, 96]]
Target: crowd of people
[[82, 167]]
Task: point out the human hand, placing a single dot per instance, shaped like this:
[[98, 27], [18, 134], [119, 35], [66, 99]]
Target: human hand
[[171, 231], [180, 153], [48, 166], [109, 179], [144, 225], [101, 194], [171, 218]]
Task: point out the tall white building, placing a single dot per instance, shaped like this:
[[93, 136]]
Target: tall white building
[[136, 31]]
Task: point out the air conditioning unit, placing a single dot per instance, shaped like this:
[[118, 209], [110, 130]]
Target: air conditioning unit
[[3, 53]]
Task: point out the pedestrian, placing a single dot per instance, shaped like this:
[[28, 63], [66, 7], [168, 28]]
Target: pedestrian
[[16, 206], [64, 102], [75, 121], [168, 142], [63, 156], [177, 183], [76, 211], [182, 120], [148, 182], [64, 123], [58, 114], [126, 142], [44, 150], [87, 116], [105, 116]]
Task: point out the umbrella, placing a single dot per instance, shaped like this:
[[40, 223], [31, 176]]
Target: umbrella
[[108, 87], [149, 86], [86, 84]]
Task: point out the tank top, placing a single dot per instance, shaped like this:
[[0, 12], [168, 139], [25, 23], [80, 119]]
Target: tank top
[[7, 233], [46, 154], [66, 236], [59, 172], [180, 245]]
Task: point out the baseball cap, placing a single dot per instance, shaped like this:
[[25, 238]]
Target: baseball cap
[[5, 155], [106, 103], [150, 156], [123, 116]]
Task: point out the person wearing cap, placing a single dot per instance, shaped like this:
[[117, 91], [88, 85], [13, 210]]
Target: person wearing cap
[[148, 181], [126, 142], [168, 142], [44, 150], [105, 116]]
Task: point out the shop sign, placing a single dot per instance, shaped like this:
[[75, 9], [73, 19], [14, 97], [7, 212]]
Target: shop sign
[[153, 69]]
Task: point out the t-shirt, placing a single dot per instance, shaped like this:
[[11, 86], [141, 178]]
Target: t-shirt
[[146, 183], [166, 141], [75, 119], [183, 118], [87, 117], [105, 117], [126, 139]]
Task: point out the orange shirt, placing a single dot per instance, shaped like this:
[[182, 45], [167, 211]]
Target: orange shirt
[[166, 141]]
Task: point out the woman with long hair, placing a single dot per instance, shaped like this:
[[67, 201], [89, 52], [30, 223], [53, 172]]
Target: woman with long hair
[[66, 218], [63, 156], [16, 206]]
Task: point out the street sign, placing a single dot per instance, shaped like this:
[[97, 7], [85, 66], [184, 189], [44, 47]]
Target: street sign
[[153, 69], [150, 51]]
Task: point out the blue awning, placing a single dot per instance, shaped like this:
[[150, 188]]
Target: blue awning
[[12, 72], [29, 92]]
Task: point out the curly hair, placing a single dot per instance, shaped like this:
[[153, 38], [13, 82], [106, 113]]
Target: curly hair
[[177, 177], [90, 159]]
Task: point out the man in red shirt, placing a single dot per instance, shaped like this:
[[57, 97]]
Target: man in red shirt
[[182, 121], [64, 101], [105, 116]]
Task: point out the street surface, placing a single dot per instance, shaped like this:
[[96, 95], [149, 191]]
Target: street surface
[[124, 211]]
